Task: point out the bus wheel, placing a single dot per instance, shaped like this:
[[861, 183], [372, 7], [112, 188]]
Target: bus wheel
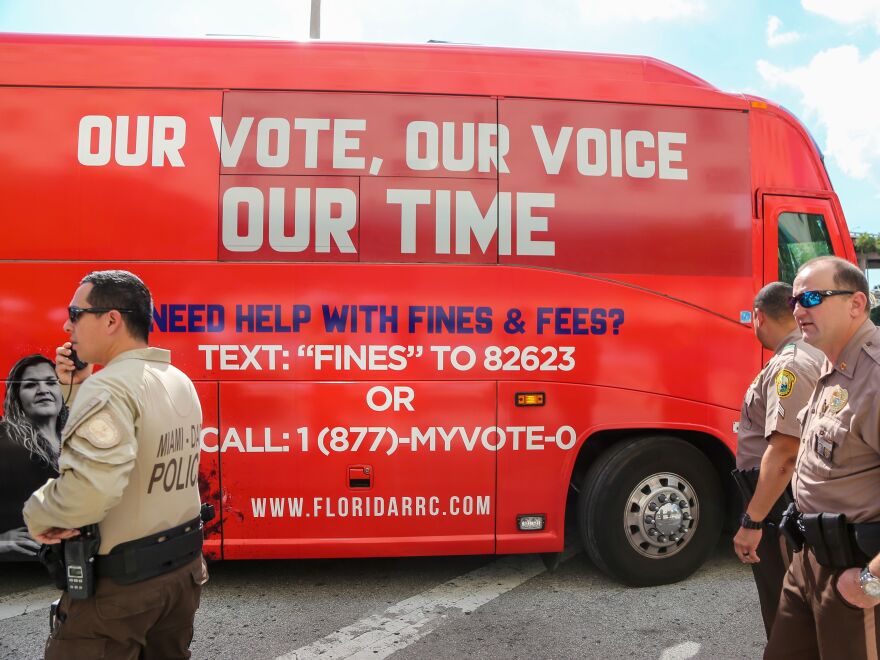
[[650, 510]]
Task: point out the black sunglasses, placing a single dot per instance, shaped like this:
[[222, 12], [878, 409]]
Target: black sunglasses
[[809, 299], [74, 312]]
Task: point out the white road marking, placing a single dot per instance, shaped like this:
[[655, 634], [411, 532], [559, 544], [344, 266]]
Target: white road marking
[[681, 651], [403, 623], [27, 601]]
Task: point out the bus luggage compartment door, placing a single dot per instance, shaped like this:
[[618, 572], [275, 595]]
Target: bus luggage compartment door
[[332, 469]]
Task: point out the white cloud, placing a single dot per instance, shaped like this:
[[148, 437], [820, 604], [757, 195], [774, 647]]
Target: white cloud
[[838, 88], [846, 11], [777, 38], [643, 11]]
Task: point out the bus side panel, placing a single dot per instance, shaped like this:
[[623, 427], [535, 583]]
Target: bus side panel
[[782, 156], [333, 470], [556, 432], [72, 187], [349, 322], [657, 196], [274, 335], [355, 134], [386, 237], [299, 213]]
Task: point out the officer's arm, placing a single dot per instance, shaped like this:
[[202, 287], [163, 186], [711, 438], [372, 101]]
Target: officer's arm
[[777, 466], [788, 392], [94, 467]]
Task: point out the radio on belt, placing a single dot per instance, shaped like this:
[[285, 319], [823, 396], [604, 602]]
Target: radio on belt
[[79, 562]]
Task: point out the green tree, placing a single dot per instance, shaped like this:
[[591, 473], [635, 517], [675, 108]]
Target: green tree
[[866, 243]]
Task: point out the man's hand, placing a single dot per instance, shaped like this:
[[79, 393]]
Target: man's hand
[[18, 541], [55, 535], [64, 366], [851, 591], [745, 544]]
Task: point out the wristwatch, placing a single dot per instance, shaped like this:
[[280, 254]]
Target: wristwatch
[[748, 523], [869, 583]]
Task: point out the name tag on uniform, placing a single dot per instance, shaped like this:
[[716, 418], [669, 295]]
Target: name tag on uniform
[[825, 448]]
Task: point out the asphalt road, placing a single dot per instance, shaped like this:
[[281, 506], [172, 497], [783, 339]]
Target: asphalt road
[[438, 607]]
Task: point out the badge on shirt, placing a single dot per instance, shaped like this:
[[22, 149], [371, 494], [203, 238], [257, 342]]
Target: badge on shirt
[[824, 447], [838, 399], [785, 381]]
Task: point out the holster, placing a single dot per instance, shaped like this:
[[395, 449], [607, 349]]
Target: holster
[[207, 513], [792, 528], [52, 557], [828, 536], [836, 543]]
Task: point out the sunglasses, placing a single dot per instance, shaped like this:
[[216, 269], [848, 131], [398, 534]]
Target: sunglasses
[[74, 312], [809, 299]]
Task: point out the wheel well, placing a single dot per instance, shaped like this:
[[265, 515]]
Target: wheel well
[[714, 449]]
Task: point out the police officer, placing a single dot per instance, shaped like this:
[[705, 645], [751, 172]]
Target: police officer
[[828, 606], [768, 440], [129, 462]]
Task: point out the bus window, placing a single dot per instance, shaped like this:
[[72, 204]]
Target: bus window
[[802, 236]]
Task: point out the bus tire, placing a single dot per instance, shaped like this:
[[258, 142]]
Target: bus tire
[[650, 510]]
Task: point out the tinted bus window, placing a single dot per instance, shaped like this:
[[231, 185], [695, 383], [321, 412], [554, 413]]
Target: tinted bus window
[[802, 236]]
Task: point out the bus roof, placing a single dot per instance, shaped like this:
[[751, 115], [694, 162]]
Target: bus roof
[[88, 61]]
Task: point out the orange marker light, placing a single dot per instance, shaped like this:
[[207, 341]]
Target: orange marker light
[[529, 398]]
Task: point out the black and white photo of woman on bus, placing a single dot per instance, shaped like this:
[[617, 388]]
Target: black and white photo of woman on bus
[[30, 441]]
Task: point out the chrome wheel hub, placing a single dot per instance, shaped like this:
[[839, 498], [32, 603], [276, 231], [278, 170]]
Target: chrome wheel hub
[[661, 515]]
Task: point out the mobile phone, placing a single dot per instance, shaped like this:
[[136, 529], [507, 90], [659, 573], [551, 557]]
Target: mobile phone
[[78, 364]]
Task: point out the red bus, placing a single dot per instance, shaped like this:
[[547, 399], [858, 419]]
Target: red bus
[[435, 299]]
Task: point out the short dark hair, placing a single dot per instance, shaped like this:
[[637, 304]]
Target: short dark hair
[[773, 300], [846, 276], [119, 289]]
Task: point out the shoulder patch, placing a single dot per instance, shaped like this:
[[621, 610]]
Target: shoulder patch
[[85, 406], [785, 381], [100, 430]]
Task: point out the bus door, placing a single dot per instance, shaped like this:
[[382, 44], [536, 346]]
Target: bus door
[[797, 229]]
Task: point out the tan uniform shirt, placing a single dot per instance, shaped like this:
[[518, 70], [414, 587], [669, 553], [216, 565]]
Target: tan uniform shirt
[[129, 453], [838, 465], [775, 397]]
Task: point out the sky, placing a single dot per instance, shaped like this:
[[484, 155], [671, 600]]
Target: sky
[[818, 58]]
